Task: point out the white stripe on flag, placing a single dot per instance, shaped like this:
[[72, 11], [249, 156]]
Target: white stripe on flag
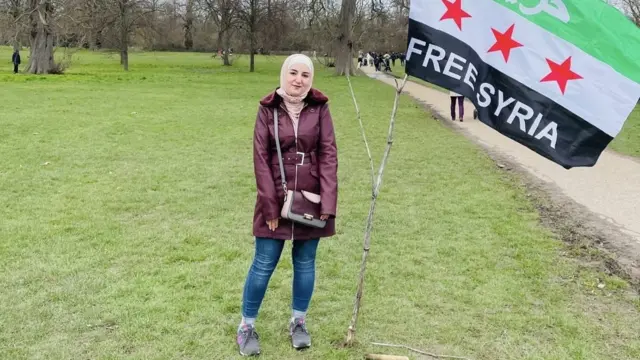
[[604, 97]]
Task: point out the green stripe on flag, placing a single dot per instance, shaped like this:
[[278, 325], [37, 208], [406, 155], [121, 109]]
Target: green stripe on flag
[[595, 27]]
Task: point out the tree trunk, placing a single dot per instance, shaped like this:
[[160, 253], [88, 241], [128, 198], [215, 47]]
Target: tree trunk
[[98, 40], [124, 59], [227, 46], [188, 35], [92, 40], [41, 59], [252, 33], [344, 58], [219, 42], [188, 26], [124, 37], [124, 50], [252, 54], [223, 45]]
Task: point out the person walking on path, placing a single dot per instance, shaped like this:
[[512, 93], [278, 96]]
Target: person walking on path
[[15, 59], [309, 157], [460, 99]]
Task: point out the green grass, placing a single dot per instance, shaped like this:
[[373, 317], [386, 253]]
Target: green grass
[[627, 142], [127, 201]]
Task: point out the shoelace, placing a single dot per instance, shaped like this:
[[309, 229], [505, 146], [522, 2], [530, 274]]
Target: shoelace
[[299, 325], [249, 333]]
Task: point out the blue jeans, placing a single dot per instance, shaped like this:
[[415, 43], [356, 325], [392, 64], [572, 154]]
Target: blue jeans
[[266, 258]]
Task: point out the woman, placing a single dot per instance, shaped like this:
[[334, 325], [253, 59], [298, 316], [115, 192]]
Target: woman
[[309, 156], [455, 96]]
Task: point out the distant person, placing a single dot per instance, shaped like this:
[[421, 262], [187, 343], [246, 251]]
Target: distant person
[[460, 99], [387, 66], [15, 59], [310, 165]]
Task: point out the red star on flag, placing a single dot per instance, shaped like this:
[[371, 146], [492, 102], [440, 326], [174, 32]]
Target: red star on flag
[[504, 42], [454, 12], [561, 73]]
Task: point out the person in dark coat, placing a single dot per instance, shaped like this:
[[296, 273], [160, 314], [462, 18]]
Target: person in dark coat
[[310, 161], [15, 59]]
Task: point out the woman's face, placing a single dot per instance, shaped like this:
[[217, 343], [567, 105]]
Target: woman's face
[[298, 80]]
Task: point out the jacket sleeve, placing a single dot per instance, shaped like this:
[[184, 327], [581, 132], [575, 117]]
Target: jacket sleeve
[[267, 196], [328, 164]]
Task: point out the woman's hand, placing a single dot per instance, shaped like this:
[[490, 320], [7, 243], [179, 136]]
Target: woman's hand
[[324, 217], [273, 224]]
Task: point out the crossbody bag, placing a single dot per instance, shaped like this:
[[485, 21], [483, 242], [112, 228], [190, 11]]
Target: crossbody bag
[[302, 207]]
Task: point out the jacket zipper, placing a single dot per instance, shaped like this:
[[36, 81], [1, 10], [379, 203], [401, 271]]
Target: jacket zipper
[[295, 186], [295, 134]]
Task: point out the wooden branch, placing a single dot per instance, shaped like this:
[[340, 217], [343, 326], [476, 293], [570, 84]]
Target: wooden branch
[[351, 332], [364, 137], [390, 136], [385, 357], [420, 351], [42, 20], [17, 19]]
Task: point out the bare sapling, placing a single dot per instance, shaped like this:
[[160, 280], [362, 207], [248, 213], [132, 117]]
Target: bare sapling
[[376, 182]]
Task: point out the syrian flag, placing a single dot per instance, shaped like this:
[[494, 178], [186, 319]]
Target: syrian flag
[[560, 77]]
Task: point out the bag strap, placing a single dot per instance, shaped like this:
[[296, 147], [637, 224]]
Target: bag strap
[[275, 130]]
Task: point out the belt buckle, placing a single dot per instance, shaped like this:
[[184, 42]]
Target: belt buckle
[[301, 161]]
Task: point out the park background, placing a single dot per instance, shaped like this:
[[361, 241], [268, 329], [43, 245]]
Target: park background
[[127, 199]]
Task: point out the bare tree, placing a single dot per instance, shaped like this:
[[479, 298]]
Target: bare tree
[[127, 16], [376, 183], [323, 25], [632, 7], [15, 13], [188, 24], [109, 22], [224, 14], [250, 13], [277, 26], [83, 22]]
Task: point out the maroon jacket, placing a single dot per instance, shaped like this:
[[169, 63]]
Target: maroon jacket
[[318, 173]]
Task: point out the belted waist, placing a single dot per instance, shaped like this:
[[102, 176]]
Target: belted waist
[[292, 158]]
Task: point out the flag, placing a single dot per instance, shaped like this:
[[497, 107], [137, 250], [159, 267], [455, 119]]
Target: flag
[[557, 76]]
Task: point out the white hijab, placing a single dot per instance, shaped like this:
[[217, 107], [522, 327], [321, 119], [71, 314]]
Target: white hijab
[[294, 104]]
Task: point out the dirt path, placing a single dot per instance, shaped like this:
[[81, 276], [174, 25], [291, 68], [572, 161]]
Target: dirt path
[[610, 189]]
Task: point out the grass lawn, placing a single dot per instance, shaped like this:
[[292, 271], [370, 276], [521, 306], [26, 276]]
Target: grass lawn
[[127, 201], [627, 142]]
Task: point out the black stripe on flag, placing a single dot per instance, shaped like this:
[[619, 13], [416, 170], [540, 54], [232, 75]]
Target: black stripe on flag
[[525, 115]]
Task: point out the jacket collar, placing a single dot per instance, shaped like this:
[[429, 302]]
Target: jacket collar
[[314, 97]]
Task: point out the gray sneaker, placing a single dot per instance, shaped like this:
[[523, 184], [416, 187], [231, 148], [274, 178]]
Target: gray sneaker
[[247, 340], [300, 337]]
